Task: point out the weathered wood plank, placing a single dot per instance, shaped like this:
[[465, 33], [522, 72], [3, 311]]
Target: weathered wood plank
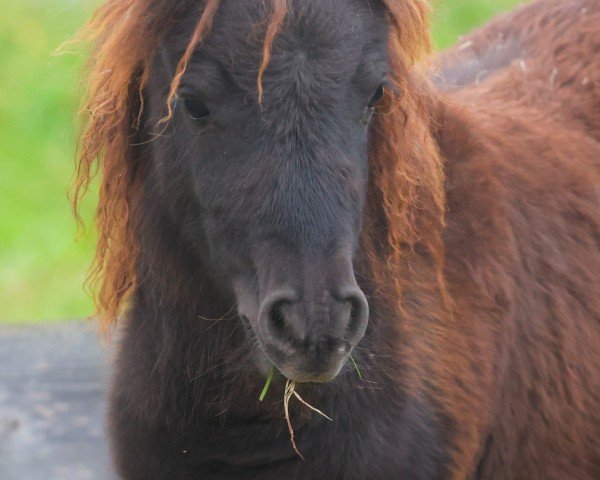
[[52, 403]]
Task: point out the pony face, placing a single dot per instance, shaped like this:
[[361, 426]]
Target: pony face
[[269, 179]]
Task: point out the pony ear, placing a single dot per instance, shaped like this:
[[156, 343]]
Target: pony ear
[[125, 37], [406, 181], [168, 66], [116, 74], [410, 27]]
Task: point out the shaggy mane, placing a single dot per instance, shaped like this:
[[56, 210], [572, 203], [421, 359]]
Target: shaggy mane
[[406, 171]]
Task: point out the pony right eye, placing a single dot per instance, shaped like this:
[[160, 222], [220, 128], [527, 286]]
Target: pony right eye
[[195, 109]]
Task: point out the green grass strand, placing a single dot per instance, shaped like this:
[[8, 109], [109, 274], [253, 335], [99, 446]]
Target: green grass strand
[[267, 384], [356, 367]]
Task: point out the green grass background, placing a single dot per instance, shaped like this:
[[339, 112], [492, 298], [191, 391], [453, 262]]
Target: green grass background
[[42, 267]]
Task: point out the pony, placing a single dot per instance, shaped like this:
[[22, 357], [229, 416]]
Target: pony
[[289, 188]]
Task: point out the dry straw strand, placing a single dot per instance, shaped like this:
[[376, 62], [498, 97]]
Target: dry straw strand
[[290, 390]]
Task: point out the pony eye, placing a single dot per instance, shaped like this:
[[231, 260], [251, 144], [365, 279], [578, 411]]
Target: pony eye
[[195, 109], [377, 96]]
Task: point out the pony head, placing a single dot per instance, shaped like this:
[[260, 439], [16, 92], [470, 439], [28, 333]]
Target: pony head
[[282, 139]]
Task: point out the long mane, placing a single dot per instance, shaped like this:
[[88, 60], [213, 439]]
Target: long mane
[[406, 180]]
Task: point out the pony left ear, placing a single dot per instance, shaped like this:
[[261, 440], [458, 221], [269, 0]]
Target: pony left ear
[[410, 27]]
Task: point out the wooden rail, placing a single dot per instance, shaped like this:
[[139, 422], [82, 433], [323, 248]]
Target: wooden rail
[[52, 403]]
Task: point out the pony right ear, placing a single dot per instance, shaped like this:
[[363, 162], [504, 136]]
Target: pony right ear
[[125, 39], [116, 74], [166, 63]]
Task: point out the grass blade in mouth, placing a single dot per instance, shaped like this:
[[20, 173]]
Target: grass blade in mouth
[[356, 367], [265, 389], [290, 390]]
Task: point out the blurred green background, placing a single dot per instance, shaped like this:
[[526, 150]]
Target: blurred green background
[[42, 267]]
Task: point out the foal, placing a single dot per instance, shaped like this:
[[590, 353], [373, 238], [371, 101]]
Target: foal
[[283, 187]]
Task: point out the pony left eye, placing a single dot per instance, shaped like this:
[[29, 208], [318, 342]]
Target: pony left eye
[[377, 96], [195, 109], [373, 102]]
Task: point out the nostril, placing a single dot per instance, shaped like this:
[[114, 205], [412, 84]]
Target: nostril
[[354, 310], [354, 322], [359, 312], [277, 318]]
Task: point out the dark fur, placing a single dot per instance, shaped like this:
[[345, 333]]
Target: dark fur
[[520, 355]]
